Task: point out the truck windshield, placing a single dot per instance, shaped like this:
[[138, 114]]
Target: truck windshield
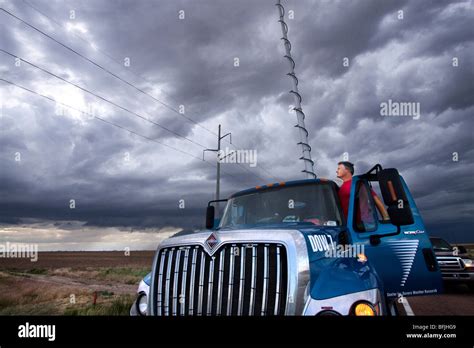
[[311, 203]]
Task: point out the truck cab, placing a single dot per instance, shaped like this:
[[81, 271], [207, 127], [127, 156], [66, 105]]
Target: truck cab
[[287, 249]]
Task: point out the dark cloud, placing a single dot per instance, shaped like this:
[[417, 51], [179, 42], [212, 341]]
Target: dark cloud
[[119, 179]]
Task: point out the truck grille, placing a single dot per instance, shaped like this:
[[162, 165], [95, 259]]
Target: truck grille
[[447, 263], [239, 279]]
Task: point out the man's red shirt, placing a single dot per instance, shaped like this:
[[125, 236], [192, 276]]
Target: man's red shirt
[[345, 195]]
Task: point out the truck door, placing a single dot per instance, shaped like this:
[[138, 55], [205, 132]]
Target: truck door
[[399, 248]]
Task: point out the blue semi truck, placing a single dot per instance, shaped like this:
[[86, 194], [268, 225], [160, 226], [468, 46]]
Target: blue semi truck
[[287, 249]]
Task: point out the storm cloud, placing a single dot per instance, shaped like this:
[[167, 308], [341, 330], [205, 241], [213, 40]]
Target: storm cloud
[[183, 53]]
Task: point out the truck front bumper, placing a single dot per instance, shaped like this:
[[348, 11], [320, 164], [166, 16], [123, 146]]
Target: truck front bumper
[[343, 305], [460, 276]]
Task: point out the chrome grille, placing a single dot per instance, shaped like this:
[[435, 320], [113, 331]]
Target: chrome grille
[[239, 279], [447, 263]]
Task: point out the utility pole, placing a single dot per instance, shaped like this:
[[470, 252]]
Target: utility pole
[[218, 174]]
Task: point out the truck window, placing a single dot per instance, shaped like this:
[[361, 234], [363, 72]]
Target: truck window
[[440, 244], [365, 216], [311, 204], [374, 185]]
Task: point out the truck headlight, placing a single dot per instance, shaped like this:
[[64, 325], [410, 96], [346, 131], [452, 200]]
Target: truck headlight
[[142, 304], [468, 262], [366, 302], [364, 309]]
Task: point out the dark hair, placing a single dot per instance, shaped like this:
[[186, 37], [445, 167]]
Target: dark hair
[[349, 166]]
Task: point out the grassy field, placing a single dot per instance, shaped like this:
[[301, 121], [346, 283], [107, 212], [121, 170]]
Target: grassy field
[[66, 283]]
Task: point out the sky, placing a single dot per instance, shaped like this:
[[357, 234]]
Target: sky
[[69, 181]]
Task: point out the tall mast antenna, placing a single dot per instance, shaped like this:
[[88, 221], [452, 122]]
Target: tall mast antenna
[[303, 133]]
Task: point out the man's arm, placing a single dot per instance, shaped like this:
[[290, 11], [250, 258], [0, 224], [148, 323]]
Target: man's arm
[[380, 207]]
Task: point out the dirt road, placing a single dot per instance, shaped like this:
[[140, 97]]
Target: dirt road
[[72, 282], [457, 300]]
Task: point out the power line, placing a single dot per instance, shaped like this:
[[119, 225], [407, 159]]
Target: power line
[[116, 61], [112, 124], [104, 69], [119, 78], [73, 33], [97, 117], [115, 104], [141, 77], [102, 98]]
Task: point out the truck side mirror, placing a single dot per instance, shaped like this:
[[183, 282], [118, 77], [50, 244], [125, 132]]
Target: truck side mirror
[[210, 212], [394, 197]]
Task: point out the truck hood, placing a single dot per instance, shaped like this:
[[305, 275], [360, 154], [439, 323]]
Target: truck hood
[[319, 239]]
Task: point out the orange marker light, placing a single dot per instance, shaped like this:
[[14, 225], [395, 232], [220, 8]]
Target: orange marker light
[[364, 309]]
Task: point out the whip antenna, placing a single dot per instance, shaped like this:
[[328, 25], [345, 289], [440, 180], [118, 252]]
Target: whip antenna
[[303, 133]]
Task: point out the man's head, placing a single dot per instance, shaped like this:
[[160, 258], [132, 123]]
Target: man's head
[[345, 170]]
